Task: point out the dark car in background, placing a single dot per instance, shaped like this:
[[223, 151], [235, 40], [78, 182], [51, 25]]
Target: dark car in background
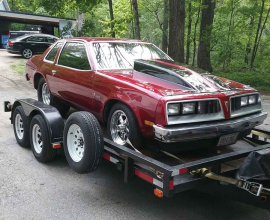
[[28, 45]]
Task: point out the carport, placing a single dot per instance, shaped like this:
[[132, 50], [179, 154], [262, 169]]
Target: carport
[[48, 23]]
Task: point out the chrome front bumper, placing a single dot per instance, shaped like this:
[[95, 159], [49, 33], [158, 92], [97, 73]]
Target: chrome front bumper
[[206, 130]]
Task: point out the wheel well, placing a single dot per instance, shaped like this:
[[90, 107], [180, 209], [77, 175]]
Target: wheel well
[[108, 107], [37, 77]]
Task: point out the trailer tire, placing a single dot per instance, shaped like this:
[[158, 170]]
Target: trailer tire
[[20, 126], [83, 142], [40, 140]]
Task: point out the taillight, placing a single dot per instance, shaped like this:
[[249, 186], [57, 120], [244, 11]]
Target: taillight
[[10, 43]]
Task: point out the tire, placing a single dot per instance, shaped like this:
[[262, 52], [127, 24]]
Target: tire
[[27, 53], [83, 142], [40, 140], [49, 99], [20, 126], [134, 133], [42, 87]]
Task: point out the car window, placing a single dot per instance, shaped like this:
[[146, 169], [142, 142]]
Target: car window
[[52, 54], [74, 55], [36, 39], [51, 39]]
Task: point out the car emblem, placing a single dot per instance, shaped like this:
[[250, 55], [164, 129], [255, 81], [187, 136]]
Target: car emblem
[[227, 105], [96, 96]]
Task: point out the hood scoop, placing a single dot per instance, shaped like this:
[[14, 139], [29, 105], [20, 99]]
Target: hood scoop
[[155, 69]]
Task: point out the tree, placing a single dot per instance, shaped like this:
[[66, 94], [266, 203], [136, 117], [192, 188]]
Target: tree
[[136, 19], [165, 27], [177, 30], [259, 32], [195, 34], [112, 17], [203, 58], [189, 32]]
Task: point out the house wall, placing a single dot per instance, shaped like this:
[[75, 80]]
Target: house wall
[[2, 7]]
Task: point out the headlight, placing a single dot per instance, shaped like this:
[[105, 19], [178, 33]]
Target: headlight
[[173, 109], [244, 101], [252, 99], [259, 99], [188, 108]]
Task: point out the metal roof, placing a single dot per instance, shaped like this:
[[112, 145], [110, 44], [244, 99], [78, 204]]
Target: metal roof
[[27, 18]]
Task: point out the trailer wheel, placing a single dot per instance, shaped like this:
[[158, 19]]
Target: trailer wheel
[[83, 142], [20, 126], [39, 139]]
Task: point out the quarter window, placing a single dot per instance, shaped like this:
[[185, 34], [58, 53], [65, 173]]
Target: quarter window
[[52, 54], [74, 55]]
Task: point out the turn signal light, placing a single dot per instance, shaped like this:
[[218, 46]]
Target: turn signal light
[[158, 193], [56, 146]]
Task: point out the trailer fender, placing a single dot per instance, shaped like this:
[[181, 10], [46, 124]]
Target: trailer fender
[[54, 120]]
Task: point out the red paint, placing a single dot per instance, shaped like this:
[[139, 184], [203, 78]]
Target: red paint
[[146, 96], [183, 171], [171, 185], [106, 156], [144, 176]]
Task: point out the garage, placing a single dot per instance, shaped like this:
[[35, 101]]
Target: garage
[[47, 23]]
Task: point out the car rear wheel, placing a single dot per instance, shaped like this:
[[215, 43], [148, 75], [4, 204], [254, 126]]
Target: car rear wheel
[[44, 95], [122, 124], [27, 53]]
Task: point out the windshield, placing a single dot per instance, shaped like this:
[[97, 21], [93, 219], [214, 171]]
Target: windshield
[[116, 55]]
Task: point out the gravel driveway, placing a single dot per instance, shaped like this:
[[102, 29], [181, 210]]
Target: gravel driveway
[[32, 190]]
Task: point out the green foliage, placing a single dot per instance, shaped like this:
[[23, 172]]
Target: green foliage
[[19, 68], [257, 80]]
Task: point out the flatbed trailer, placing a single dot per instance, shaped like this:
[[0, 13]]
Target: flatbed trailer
[[169, 174]]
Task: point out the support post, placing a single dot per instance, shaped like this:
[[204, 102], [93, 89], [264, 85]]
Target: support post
[[129, 169]]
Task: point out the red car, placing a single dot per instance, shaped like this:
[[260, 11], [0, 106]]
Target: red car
[[142, 94]]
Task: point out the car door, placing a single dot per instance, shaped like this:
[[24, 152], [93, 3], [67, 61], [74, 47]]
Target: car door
[[72, 76], [37, 44], [49, 65]]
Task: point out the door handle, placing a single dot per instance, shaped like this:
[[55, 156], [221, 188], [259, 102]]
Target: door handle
[[53, 72]]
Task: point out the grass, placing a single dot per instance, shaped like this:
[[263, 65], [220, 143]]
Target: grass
[[19, 67], [259, 81]]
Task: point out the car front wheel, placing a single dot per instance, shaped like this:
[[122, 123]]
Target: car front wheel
[[122, 125]]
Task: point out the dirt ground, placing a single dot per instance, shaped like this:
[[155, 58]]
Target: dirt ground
[[32, 190]]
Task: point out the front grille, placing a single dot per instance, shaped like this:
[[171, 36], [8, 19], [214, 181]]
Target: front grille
[[205, 110], [237, 109], [208, 107]]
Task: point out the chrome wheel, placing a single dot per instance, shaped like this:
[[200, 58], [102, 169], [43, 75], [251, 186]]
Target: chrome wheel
[[119, 127], [75, 143], [37, 138], [19, 126], [27, 53], [46, 96]]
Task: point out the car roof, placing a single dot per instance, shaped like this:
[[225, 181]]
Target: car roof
[[41, 35], [105, 39]]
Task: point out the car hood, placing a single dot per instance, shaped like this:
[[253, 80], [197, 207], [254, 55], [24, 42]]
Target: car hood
[[168, 78]]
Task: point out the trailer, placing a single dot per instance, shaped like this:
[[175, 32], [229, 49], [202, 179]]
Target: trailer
[[210, 171]]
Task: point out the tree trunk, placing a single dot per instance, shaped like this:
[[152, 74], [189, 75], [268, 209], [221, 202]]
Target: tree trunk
[[136, 19], [257, 35], [248, 47], [195, 35], [203, 59], [165, 27], [177, 30], [189, 32], [112, 18], [228, 49]]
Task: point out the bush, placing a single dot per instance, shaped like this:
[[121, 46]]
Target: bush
[[259, 81]]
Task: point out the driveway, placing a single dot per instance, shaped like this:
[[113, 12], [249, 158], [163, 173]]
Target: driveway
[[32, 190]]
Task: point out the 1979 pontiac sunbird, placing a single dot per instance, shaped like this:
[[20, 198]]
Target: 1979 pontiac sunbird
[[142, 94]]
